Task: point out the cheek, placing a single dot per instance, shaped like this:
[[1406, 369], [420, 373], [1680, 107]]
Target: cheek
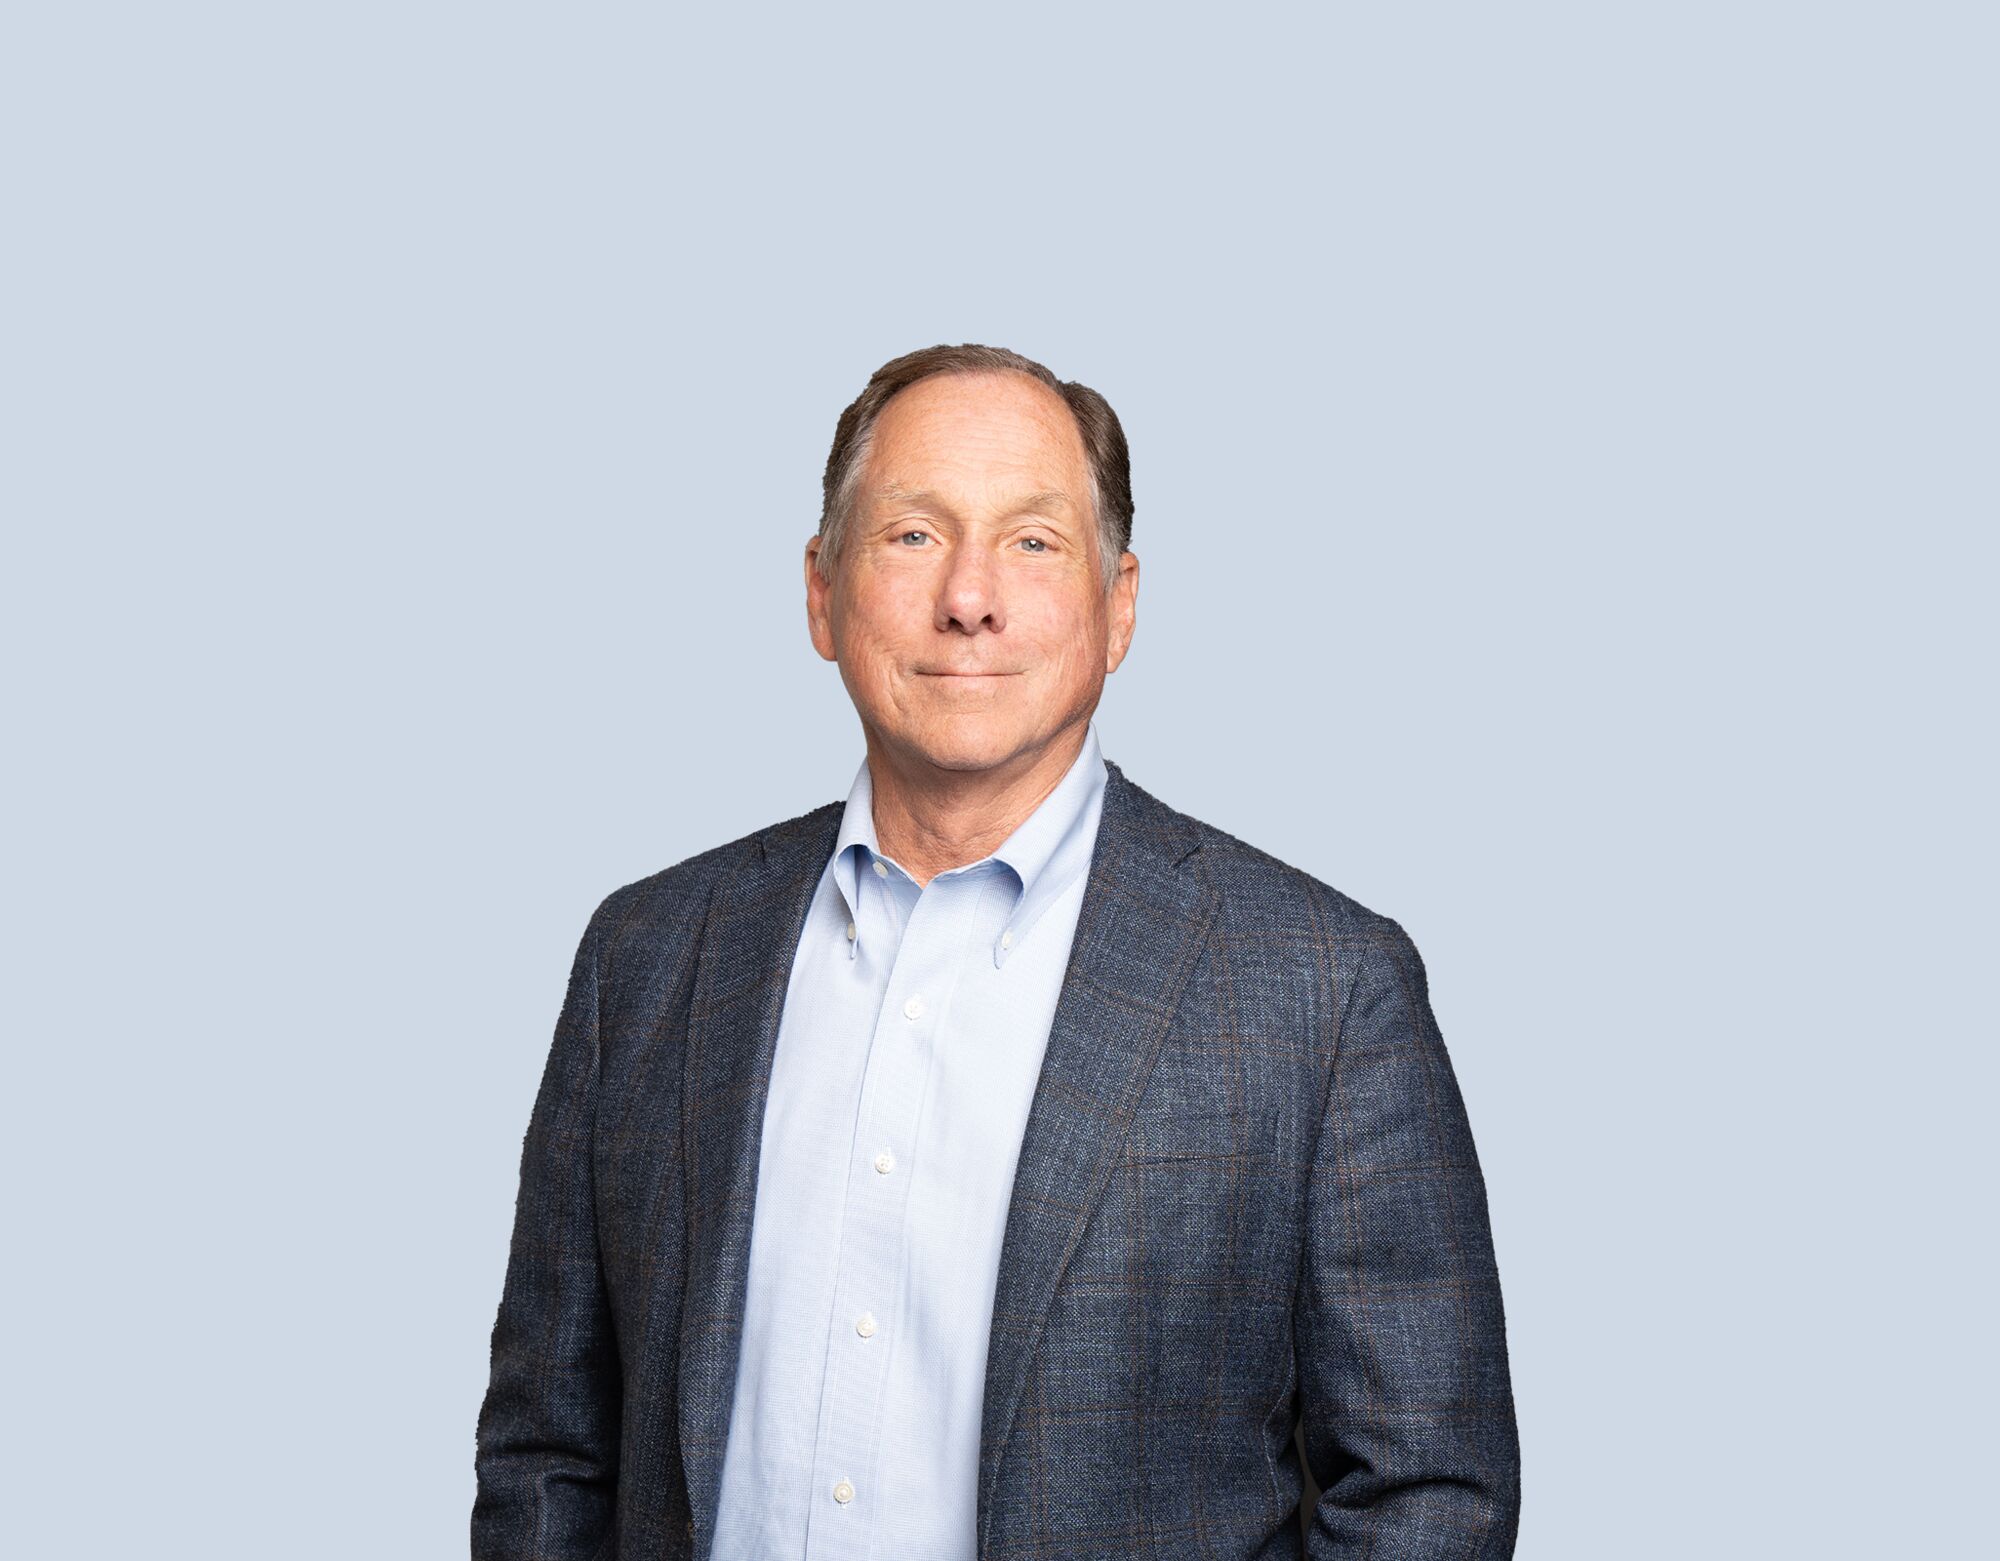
[[876, 633], [889, 598], [1069, 635]]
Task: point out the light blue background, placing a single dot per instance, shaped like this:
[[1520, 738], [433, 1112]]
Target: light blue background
[[1563, 441]]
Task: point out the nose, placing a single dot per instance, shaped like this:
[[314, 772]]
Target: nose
[[968, 597]]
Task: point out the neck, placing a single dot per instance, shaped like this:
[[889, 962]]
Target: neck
[[931, 820]]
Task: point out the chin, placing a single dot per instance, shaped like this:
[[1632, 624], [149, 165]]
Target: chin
[[969, 744], [967, 755]]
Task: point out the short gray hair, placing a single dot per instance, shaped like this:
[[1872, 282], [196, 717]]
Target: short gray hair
[[1104, 448]]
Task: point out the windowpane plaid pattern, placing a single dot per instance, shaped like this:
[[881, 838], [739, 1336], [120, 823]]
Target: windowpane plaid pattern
[[1247, 1193]]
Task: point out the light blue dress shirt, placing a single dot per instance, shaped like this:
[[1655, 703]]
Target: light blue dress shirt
[[907, 1055]]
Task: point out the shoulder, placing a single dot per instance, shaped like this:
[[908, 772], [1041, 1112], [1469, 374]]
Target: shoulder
[[664, 906], [1260, 891], [1296, 942]]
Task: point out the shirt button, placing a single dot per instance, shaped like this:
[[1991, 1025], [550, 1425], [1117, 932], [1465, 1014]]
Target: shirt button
[[843, 1491], [885, 1162], [850, 932], [881, 871], [865, 1325], [914, 1008], [1006, 939]]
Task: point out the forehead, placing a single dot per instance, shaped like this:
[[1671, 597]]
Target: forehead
[[975, 429]]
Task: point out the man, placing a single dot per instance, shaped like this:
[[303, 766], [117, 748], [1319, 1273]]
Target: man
[[999, 1163]]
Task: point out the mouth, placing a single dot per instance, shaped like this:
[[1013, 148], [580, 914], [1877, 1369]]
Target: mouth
[[968, 677]]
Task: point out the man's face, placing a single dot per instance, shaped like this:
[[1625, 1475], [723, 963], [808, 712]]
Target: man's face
[[967, 611]]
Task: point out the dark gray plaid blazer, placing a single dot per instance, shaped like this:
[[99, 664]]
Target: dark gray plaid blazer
[[1247, 1194]]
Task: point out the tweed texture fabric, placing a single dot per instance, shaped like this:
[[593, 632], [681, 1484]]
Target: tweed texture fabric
[[1247, 1199]]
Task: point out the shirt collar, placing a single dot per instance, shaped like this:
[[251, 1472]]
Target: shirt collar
[[1047, 851]]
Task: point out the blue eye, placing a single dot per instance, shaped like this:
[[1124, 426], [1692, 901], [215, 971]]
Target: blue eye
[[908, 534], [1035, 543]]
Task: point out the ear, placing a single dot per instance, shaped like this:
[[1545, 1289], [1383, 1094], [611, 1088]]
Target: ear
[[1124, 610], [819, 592]]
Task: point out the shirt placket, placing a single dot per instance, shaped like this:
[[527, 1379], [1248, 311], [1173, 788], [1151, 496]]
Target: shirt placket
[[864, 1324]]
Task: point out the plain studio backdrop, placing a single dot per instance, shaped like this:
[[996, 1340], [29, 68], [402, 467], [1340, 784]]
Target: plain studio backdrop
[[1563, 442]]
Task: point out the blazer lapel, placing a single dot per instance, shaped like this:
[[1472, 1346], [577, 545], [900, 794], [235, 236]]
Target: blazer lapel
[[1144, 917], [1145, 914], [747, 948]]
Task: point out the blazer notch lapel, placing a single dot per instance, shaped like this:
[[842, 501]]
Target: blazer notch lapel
[[1146, 914], [745, 968]]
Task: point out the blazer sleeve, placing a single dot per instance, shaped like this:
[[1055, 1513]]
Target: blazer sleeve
[[1408, 1412], [547, 1439]]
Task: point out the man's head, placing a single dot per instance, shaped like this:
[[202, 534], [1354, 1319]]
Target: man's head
[[971, 574]]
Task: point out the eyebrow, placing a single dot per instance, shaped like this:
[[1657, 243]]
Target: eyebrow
[[1044, 499]]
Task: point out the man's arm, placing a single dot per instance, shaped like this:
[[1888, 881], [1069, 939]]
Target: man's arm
[[1402, 1351], [547, 1459]]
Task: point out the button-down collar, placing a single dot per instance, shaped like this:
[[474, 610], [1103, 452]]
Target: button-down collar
[[1045, 853]]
